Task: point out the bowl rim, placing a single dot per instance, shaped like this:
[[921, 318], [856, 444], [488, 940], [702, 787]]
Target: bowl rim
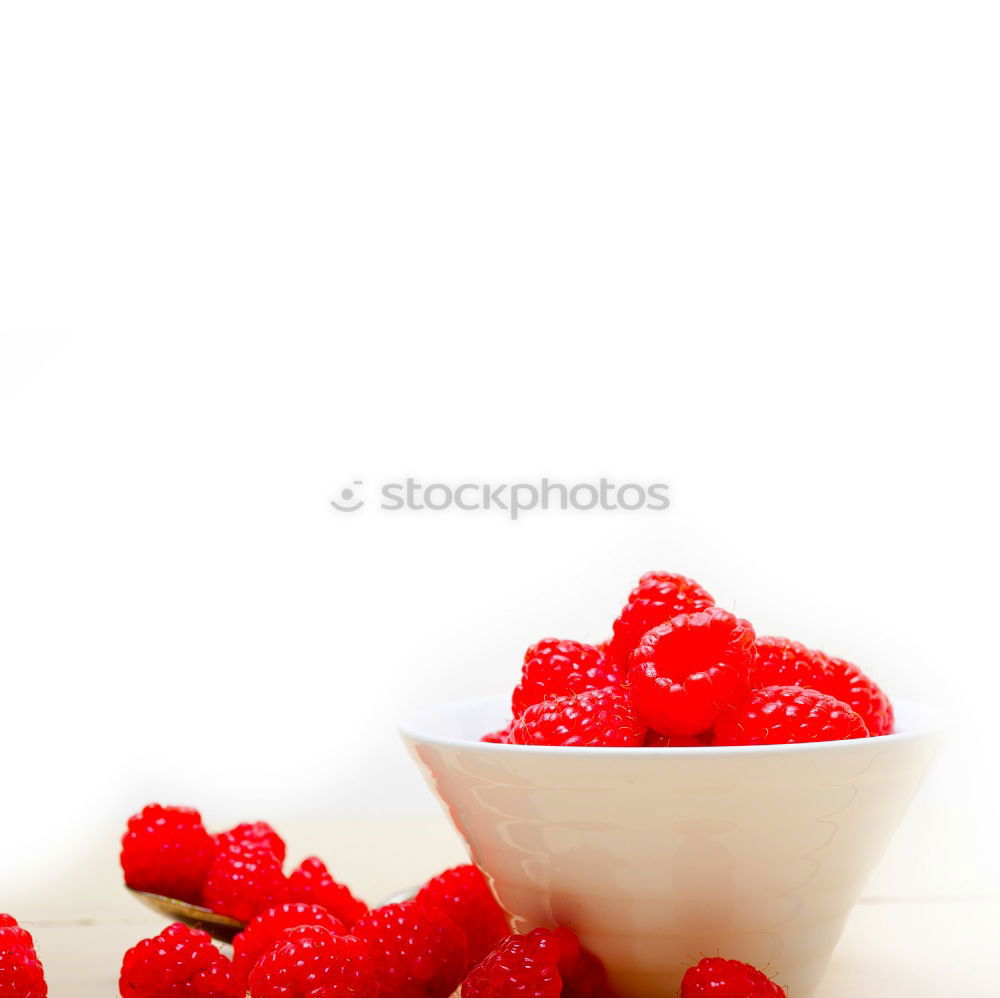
[[921, 722]]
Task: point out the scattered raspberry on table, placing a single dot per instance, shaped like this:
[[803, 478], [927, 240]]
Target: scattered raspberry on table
[[177, 963], [21, 973], [714, 977], [419, 952], [464, 896], [313, 962], [269, 928], [312, 883], [545, 963]]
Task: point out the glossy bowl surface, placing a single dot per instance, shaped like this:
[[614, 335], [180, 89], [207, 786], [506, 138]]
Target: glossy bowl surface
[[657, 857]]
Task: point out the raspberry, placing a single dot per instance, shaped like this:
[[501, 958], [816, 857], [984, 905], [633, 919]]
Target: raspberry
[[684, 672], [588, 979], [655, 740], [718, 978], [658, 597], [243, 880], [269, 928], [781, 662], [311, 883], [419, 952], [499, 737], [526, 966], [312, 962], [256, 833], [849, 684], [781, 715], [177, 963], [554, 668], [463, 895], [21, 974], [545, 963], [166, 850], [595, 718]]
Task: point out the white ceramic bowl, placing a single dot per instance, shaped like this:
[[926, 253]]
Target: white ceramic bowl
[[657, 857]]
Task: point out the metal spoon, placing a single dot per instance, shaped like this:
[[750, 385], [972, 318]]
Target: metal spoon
[[220, 927]]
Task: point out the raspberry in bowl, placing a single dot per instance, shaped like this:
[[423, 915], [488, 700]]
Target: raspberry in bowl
[[726, 794]]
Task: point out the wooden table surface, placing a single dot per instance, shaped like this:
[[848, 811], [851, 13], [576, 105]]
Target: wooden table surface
[[914, 946]]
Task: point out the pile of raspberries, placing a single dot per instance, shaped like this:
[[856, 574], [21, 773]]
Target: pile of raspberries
[[239, 872], [680, 671], [307, 936]]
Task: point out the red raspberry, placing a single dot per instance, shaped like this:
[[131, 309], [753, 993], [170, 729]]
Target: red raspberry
[[178, 963], [717, 978], [684, 672], [545, 963], [269, 928], [781, 662], [595, 718], [500, 737], [463, 895], [166, 850], [782, 715], [526, 966], [312, 962], [588, 979], [655, 740], [554, 668], [21, 974], [658, 597], [311, 883], [256, 833], [848, 683], [419, 952], [244, 880]]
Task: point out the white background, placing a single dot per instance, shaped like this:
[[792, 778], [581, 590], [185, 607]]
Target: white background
[[253, 252]]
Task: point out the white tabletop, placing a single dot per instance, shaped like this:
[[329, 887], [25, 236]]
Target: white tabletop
[[921, 946]]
